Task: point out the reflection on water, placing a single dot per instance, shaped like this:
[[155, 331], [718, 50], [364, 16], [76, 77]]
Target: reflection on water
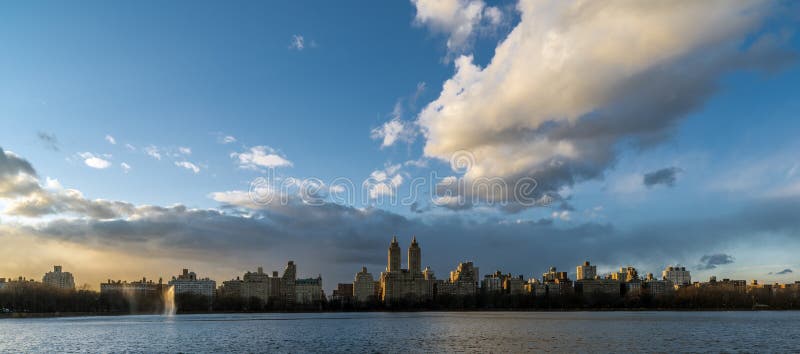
[[416, 332]]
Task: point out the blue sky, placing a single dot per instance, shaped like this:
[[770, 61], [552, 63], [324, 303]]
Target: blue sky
[[163, 77]]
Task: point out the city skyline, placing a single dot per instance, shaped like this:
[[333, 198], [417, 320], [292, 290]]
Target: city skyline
[[225, 138], [394, 265]]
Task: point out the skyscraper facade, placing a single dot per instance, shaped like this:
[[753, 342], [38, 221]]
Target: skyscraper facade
[[463, 281], [405, 284], [414, 257], [394, 260], [188, 282], [586, 271], [59, 279], [679, 276], [363, 286]]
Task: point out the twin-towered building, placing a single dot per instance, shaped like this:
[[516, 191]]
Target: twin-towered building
[[411, 283]]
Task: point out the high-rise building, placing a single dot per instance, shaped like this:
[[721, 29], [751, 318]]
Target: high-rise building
[[308, 290], [257, 284], [657, 287], [405, 284], [188, 282], [589, 284], [514, 285], [727, 284], [59, 279], [19, 284], [363, 286], [463, 281], [414, 257], [557, 282], [595, 287], [552, 274], [535, 288], [492, 282], [287, 291], [282, 289], [625, 274], [679, 276], [343, 292], [394, 261], [231, 287], [586, 271]]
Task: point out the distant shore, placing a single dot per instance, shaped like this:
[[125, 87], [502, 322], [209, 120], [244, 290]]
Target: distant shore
[[60, 314], [24, 315]]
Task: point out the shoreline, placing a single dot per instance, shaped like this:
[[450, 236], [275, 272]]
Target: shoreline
[[29, 315]]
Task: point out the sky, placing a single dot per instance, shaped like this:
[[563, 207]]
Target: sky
[[142, 138]]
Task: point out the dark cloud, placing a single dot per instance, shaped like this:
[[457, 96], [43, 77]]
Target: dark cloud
[[785, 271], [566, 206], [416, 208], [68, 201], [18, 179], [714, 260], [49, 141], [336, 240], [11, 165], [665, 176], [17, 176]]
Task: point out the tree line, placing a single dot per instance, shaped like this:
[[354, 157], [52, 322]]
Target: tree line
[[45, 299]]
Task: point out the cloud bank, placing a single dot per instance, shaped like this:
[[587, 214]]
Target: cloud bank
[[337, 239], [574, 81]]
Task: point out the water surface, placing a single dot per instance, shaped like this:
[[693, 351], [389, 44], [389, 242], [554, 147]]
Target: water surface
[[416, 332]]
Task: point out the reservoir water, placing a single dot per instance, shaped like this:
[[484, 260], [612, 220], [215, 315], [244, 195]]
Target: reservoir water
[[756, 331]]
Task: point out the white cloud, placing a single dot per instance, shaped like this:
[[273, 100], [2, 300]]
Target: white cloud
[[493, 15], [227, 139], [52, 184], [460, 20], [238, 198], [395, 129], [130, 147], [153, 152], [298, 42], [93, 161], [574, 79], [185, 150], [111, 140], [188, 165], [419, 163], [259, 157], [384, 182], [125, 167], [389, 132], [562, 215], [381, 190]]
